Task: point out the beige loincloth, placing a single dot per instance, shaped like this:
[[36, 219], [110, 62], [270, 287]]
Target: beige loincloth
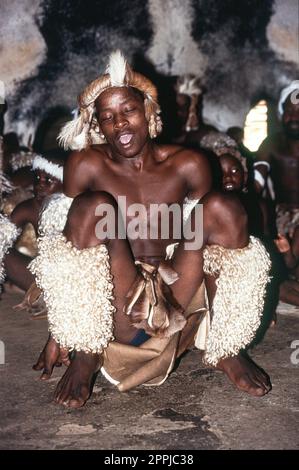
[[150, 363]]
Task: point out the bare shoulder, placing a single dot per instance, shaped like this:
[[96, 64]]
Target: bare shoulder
[[222, 204], [192, 166], [225, 220], [81, 169], [83, 159], [183, 157]]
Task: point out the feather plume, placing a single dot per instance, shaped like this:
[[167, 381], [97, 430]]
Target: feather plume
[[69, 132], [117, 68]]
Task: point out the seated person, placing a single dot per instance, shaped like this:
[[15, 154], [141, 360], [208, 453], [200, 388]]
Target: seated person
[[48, 175], [260, 220]]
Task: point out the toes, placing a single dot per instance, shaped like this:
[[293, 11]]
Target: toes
[[39, 365], [46, 374], [246, 384], [76, 403], [263, 380]]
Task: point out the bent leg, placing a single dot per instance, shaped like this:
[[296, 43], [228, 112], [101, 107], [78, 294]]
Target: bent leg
[[236, 275], [188, 263], [74, 388]]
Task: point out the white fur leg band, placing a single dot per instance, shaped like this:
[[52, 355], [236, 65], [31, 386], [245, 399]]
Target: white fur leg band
[[238, 304], [8, 234], [77, 287]]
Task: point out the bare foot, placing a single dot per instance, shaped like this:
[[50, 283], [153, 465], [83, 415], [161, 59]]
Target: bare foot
[[75, 387], [51, 356], [246, 375]]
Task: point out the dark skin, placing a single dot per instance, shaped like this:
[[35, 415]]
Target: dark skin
[[234, 181], [132, 165], [28, 212], [233, 174], [281, 151]]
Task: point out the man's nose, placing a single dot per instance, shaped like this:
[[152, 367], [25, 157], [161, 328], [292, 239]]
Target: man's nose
[[40, 185], [227, 178], [120, 121]]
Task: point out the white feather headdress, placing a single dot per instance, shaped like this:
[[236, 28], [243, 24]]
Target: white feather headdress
[[117, 69], [53, 169], [84, 130]]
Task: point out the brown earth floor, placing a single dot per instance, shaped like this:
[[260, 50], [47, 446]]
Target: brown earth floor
[[197, 408]]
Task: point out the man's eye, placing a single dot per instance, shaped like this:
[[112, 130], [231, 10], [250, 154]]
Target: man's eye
[[106, 118], [49, 181], [130, 110], [235, 170]]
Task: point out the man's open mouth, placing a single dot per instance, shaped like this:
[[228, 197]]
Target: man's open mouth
[[125, 139]]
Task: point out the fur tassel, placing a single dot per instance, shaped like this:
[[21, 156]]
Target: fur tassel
[[80, 142], [70, 132], [117, 68]]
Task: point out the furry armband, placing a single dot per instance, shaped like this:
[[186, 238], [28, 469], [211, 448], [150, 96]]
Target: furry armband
[[8, 234], [77, 287], [239, 299]]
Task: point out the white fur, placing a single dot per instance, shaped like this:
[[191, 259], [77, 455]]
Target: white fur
[[68, 133], [190, 86], [40, 163], [117, 68]]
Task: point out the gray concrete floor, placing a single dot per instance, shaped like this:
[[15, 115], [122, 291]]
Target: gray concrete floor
[[197, 408]]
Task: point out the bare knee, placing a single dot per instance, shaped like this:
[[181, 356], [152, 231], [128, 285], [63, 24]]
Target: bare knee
[[91, 218]]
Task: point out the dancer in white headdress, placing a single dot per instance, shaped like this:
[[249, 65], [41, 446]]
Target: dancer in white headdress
[[120, 293]]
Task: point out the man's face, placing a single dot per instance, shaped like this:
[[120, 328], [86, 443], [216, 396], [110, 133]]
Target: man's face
[[290, 119], [122, 120], [45, 185], [233, 173]]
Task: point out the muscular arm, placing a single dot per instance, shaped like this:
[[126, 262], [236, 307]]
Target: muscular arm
[[79, 172], [197, 172]]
